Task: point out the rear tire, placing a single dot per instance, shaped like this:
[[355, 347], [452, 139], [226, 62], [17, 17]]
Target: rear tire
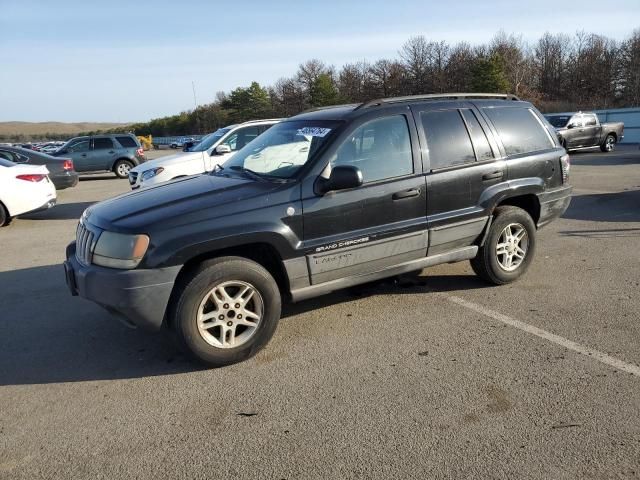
[[225, 311], [508, 249], [5, 219], [122, 167], [609, 144]]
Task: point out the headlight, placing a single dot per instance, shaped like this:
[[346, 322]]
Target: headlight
[[115, 250], [147, 174]]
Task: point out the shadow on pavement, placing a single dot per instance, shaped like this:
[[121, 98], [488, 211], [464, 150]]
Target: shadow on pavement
[[606, 207], [62, 211], [48, 336]]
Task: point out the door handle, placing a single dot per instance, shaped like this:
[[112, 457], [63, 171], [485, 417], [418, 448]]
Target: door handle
[[83, 155], [111, 151], [413, 192], [492, 175]]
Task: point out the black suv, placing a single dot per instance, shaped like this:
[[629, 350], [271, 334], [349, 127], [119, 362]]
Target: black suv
[[324, 200]]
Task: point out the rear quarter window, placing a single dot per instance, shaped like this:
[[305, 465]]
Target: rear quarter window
[[127, 142], [519, 129]]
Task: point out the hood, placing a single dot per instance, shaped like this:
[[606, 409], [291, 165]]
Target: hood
[[179, 202], [168, 160]]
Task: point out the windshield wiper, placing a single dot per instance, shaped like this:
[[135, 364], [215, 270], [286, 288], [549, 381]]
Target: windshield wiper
[[248, 172]]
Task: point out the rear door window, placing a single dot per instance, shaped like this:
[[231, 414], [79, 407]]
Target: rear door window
[[102, 143], [447, 138], [127, 142], [520, 130]]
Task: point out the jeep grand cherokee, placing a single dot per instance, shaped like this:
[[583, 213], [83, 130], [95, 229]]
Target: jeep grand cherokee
[[324, 200]]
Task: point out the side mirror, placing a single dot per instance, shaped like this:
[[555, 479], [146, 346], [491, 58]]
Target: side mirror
[[571, 125], [222, 149], [187, 146], [59, 152], [342, 177]]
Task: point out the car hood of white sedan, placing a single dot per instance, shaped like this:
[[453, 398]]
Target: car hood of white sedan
[[176, 159]]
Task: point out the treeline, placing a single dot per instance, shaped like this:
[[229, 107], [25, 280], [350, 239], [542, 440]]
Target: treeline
[[557, 73]]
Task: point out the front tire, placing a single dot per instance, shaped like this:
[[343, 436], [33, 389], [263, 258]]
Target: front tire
[[509, 248], [122, 167], [609, 144], [226, 311]]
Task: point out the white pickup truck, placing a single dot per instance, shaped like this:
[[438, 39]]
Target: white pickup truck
[[216, 148]]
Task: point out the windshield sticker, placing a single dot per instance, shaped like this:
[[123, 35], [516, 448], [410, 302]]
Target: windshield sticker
[[313, 131]]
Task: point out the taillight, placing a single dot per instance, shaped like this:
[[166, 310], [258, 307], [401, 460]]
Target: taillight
[[565, 165], [67, 164], [36, 177]]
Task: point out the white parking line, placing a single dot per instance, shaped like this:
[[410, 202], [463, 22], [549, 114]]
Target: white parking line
[[557, 339]]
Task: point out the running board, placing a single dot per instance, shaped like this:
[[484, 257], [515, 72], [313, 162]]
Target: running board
[[327, 287]]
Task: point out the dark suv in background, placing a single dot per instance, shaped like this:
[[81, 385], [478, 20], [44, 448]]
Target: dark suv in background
[[116, 153], [321, 201]]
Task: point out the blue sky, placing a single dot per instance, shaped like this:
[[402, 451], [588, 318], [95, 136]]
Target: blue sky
[[132, 61]]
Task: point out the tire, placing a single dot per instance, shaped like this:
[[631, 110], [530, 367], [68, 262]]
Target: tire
[[231, 337], [121, 168], [5, 219], [609, 144], [498, 269]]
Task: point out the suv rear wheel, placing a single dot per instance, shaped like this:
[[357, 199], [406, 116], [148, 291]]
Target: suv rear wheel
[[226, 311], [509, 247], [122, 167]]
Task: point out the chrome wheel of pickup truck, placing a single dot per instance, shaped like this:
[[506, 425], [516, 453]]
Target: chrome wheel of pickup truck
[[512, 246], [609, 144], [230, 314]]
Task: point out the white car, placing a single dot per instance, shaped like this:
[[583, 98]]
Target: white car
[[23, 189], [214, 149]]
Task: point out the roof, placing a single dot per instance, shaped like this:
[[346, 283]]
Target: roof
[[340, 112]]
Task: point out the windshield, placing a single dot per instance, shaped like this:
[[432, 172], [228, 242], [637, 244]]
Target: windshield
[[208, 141], [559, 121], [283, 149]]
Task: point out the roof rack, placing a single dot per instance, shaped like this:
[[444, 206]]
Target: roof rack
[[438, 96]]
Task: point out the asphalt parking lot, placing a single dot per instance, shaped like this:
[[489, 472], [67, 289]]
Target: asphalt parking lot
[[436, 377]]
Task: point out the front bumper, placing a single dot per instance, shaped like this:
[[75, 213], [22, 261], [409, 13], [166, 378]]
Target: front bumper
[[553, 203], [140, 296]]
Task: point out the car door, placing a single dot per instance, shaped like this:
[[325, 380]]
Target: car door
[[103, 153], [575, 135], [78, 151], [382, 222], [461, 161], [591, 130]]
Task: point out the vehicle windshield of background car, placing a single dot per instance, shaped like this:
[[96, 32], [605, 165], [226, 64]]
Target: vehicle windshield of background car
[[283, 149], [207, 142], [559, 121]]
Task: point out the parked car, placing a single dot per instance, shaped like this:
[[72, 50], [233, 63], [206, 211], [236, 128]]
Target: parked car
[[24, 189], [61, 171], [212, 150], [117, 153], [322, 201], [181, 142], [584, 130]]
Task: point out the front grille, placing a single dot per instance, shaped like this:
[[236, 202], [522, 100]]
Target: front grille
[[133, 177], [84, 244]]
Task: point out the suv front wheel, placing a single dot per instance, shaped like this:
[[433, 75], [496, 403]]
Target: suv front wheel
[[226, 311], [509, 247]]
